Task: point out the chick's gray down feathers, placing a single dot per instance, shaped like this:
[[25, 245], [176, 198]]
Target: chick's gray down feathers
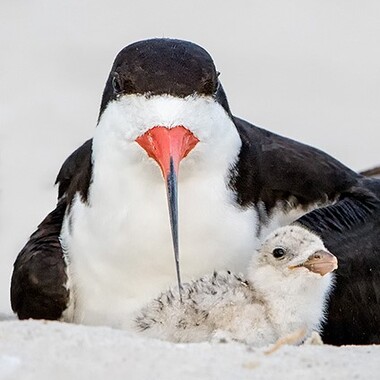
[[271, 302]]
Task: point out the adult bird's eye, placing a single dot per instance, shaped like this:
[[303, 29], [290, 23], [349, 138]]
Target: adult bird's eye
[[278, 253], [116, 83]]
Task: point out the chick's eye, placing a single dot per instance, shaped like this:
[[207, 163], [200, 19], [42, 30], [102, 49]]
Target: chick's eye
[[278, 253]]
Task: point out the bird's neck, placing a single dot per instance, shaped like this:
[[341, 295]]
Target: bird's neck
[[120, 163], [292, 302]]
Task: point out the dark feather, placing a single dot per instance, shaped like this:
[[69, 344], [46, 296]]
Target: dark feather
[[38, 285], [272, 168], [352, 209], [75, 174], [161, 66], [351, 231], [374, 172]]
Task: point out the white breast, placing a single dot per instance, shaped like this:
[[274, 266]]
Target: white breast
[[119, 244], [121, 253]]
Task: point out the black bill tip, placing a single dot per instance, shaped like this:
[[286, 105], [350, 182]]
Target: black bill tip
[[172, 194]]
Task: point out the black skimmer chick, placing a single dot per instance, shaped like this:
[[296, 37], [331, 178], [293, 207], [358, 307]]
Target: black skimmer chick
[[285, 290], [166, 137]]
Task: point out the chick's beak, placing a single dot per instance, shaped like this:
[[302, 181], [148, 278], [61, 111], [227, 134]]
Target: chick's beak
[[321, 262]]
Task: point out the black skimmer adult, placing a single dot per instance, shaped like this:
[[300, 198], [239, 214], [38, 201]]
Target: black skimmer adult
[[285, 290], [106, 250]]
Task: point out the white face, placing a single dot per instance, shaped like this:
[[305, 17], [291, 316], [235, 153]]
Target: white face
[[130, 116], [294, 251], [147, 140], [133, 115]]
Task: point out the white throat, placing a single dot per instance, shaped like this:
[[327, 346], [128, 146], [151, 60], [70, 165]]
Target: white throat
[[126, 119], [119, 244], [295, 301]]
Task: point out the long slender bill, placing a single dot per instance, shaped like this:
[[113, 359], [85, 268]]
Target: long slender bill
[[172, 194], [168, 146]]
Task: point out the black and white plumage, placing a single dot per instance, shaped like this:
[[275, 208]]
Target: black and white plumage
[[354, 307], [285, 290], [236, 185]]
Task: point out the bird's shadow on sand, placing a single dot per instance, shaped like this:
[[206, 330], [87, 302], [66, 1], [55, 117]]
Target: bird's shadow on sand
[[7, 317]]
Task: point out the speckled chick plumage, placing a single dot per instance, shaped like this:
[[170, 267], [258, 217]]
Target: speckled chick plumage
[[277, 297]]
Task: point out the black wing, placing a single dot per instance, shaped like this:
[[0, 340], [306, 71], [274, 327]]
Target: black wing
[[272, 168], [351, 230], [39, 280], [39, 276], [275, 168], [75, 173]]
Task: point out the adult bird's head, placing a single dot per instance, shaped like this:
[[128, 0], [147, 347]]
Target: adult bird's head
[[163, 104]]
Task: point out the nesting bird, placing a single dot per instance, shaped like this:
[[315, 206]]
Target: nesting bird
[[168, 148], [286, 289]]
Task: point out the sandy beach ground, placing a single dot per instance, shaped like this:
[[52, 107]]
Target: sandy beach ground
[[52, 350], [309, 70]]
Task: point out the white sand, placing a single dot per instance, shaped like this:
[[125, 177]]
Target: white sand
[[35, 350], [305, 69]]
